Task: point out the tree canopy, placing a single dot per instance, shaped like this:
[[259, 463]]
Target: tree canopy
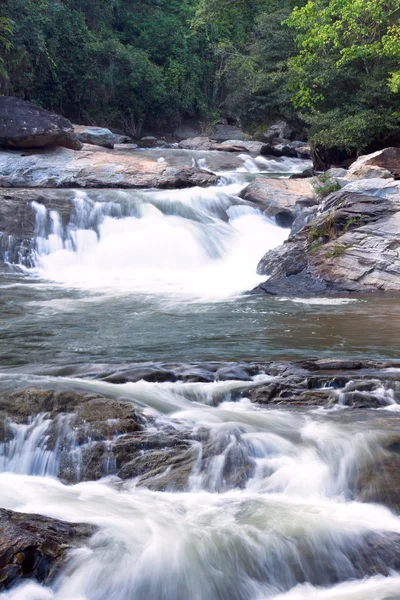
[[330, 67]]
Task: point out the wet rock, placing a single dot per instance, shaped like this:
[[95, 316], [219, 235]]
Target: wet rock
[[387, 159], [99, 136], [283, 199], [32, 546], [63, 168], [286, 393], [283, 150], [24, 125], [351, 245], [379, 482]]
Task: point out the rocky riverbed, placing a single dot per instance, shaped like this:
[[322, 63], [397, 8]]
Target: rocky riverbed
[[164, 433]]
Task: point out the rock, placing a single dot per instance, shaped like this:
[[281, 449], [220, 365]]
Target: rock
[[304, 151], [283, 150], [24, 125], [248, 146], [306, 174], [337, 173], [197, 143], [222, 132], [187, 131], [99, 136], [379, 481], [125, 146], [325, 158], [148, 138], [65, 168], [352, 245], [366, 172], [387, 159], [280, 130], [32, 546], [283, 199]]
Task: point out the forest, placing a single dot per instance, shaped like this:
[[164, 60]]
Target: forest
[[329, 67]]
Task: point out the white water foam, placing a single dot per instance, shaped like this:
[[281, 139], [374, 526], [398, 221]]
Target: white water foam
[[198, 245]]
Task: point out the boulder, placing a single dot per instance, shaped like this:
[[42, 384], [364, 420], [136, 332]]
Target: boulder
[[367, 172], [99, 136], [222, 132], [197, 143], [304, 151], [352, 245], [185, 131], [283, 199], [24, 125], [34, 547], [387, 159], [325, 158], [283, 150], [95, 169], [280, 130], [379, 481], [247, 146]]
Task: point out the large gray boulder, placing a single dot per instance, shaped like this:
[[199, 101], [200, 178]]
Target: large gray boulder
[[24, 125], [352, 245]]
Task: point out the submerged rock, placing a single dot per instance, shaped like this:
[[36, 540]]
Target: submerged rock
[[24, 125], [34, 547]]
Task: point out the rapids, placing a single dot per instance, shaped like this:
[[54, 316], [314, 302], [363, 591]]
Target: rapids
[[268, 509]]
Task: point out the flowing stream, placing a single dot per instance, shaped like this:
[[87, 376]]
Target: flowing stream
[[267, 509]]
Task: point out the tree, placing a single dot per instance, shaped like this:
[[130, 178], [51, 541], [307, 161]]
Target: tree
[[345, 77]]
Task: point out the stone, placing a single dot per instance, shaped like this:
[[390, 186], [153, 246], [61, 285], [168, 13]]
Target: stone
[[283, 199], [379, 481], [280, 130], [352, 244], [283, 150], [185, 131], [222, 132], [304, 151], [24, 125], [387, 159], [65, 168], [325, 158], [99, 136], [197, 143], [367, 172], [248, 146], [34, 547]]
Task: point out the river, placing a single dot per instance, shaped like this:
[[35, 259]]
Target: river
[[139, 277]]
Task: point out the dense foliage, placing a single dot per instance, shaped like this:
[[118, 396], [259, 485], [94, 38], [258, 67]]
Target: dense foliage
[[331, 66]]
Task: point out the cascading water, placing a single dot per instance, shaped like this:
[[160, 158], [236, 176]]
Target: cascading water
[[199, 244], [266, 506], [246, 502]]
